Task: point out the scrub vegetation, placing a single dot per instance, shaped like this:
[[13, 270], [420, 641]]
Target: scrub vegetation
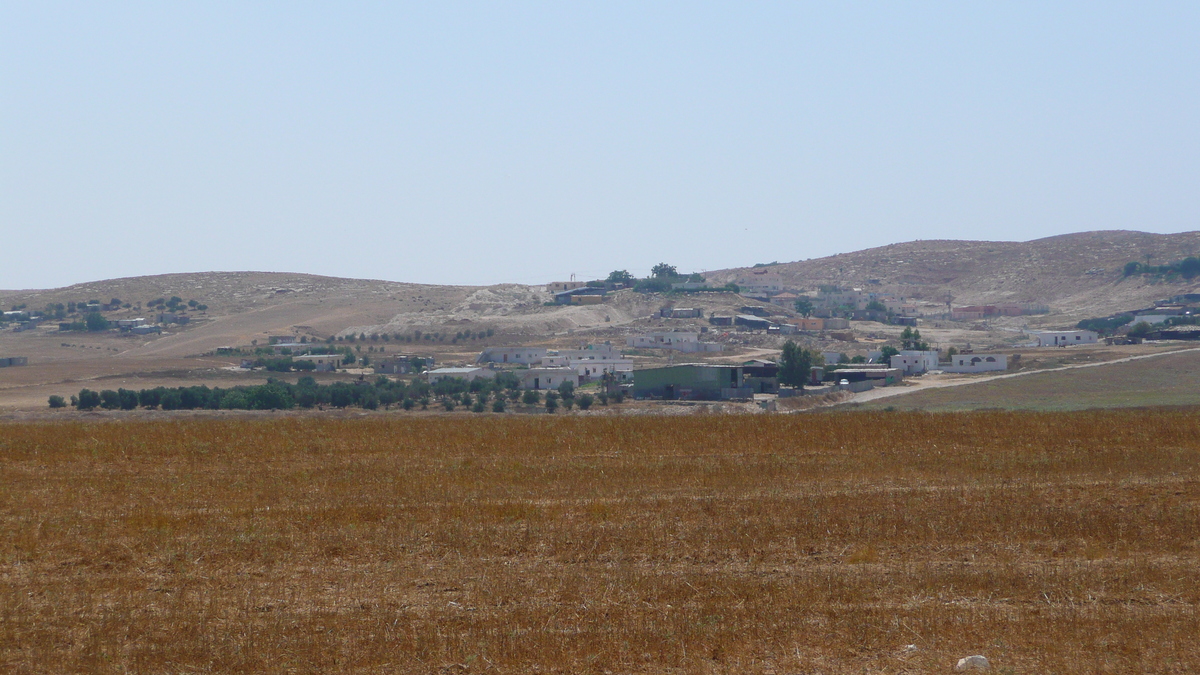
[[1049, 542]]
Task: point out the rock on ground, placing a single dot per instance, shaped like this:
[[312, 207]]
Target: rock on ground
[[975, 662]]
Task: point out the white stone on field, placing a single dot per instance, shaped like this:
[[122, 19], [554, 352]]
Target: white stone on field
[[975, 662]]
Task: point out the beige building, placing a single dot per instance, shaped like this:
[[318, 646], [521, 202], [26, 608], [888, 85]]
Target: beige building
[[546, 378]]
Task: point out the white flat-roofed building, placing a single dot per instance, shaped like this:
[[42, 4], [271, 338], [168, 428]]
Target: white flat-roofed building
[[975, 363], [546, 378], [677, 340], [467, 373], [1062, 338], [912, 362], [527, 356], [323, 363]]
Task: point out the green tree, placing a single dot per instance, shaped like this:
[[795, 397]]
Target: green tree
[[794, 365], [663, 271], [531, 397], [96, 322], [887, 353], [620, 277], [1140, 330], [110, 400], [551, 401], [128, 399], [911, 339], [567, 389], [88, 400], [57, 402], [498, 405], [804, 306], [585, 401]]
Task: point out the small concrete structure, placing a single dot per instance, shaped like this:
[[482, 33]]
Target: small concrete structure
[[323, 363], [680, 313], [752, 322], [912, 362], [677, 340], [546, 378], [467, 374], [975, 363], [1063, 338], [512, 354], [8, 361], [592, 362], [402, 364], [293, 347]]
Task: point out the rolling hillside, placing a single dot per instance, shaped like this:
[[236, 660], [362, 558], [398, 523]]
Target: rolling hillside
[[1077, 275]]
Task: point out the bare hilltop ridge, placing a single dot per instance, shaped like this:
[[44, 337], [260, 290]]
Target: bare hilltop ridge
[[1078, 275]]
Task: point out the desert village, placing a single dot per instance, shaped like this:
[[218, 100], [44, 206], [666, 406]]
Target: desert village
[[699, 342]]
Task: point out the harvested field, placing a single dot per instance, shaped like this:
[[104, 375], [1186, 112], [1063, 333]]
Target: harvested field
[[1167, 380], [1049, 542]]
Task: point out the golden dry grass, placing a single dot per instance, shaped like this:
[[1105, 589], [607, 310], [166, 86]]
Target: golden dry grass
[[725, 544]]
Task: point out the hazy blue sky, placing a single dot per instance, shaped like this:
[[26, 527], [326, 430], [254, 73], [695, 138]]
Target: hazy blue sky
[[482, 143]]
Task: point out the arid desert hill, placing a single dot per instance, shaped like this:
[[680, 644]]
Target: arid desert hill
[[1077, 275]]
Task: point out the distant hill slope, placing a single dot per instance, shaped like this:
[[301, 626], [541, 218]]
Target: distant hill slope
[[1078, 275]]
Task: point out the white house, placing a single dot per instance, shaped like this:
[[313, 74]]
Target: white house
[[976, 363], [1062, 338], [853, 297], [468, 374], [678, 340], [325, 363], [914, 362], [760, 284], [901, 308], [523, 355], [546, 378], [592, 362]]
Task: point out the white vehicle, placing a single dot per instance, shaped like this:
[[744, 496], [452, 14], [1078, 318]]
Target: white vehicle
[[844, 381]]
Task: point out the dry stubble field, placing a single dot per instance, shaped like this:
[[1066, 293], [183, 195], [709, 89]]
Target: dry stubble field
[[1051, 543]]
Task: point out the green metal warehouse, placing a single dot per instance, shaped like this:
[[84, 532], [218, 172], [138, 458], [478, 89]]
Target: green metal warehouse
[[691, 381]]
